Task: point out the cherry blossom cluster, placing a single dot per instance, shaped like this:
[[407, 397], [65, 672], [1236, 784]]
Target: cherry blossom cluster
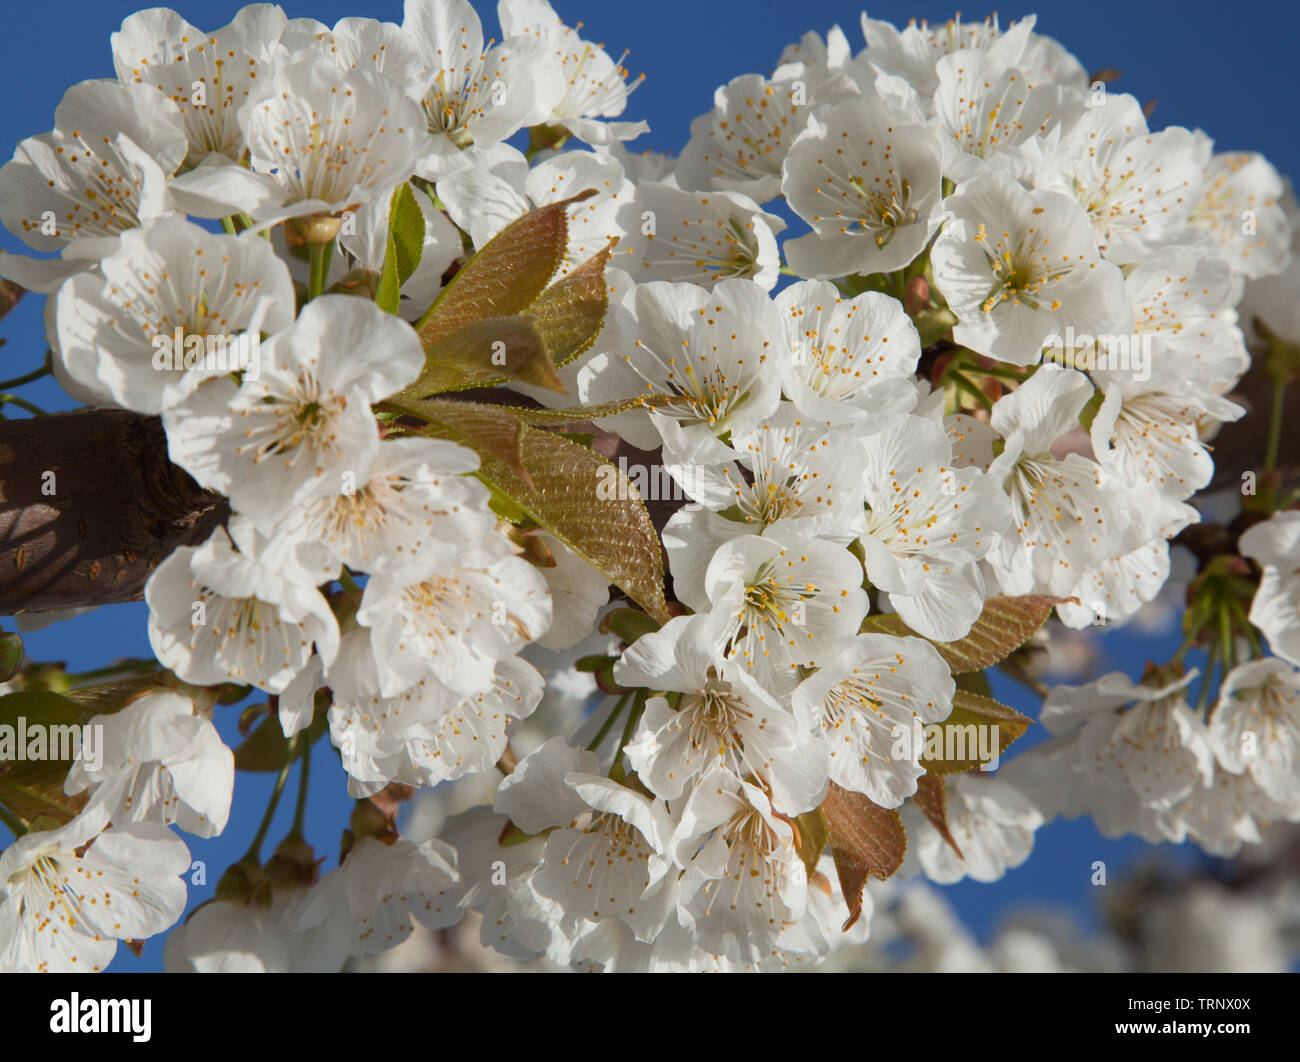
[[987, 364]]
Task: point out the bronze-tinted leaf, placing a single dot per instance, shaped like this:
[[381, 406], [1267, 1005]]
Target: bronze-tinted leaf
[[34, 789], [960, 733], [1005, 624], [104, 698], [490, 431], [866, 840], [556, 418], [571, 312], [506, 275], [974, 682], [487, 352], [589, 505], [931, 798], [10, 293]]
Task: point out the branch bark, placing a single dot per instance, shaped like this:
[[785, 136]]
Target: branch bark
[[89, 506], [115, 506]]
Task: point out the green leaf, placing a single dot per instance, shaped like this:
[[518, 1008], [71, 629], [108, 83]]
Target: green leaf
[[11, 654], [961, 742], [506, 275], [591, 507], [512, 835], [267, 749], [811, 835], [405, 247], [406, 230], [866, 841], [41, 707], [388, 295], [1003, 627], [33, 788], [628, 624], [504, 506]]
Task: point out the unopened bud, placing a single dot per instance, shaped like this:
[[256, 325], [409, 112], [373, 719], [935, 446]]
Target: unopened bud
[[319, 228], [917, 296], [293, 865], [235, 885]]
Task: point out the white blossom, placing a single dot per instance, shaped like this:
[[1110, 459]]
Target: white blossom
[[70, 894], [163, 761]]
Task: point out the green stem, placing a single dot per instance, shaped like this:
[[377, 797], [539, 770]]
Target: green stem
[[15, 825], [968, 385], [1211, 657], [431, 190], [228, 224], [22, 403], [348, 583], [253, 854], [18, 381], [142, 666], [319, 255], [999, 371], [1252, 635], [633, 717], [950, 404], [304, 780], [609, 722], [1225, 636], [246, 222]]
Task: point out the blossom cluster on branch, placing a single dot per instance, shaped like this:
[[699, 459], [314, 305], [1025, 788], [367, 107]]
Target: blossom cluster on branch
[[387, 310]]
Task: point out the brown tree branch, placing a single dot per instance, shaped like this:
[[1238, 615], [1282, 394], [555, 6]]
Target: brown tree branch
[[89, 506]]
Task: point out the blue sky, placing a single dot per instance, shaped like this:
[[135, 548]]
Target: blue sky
[[1234, 77]]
